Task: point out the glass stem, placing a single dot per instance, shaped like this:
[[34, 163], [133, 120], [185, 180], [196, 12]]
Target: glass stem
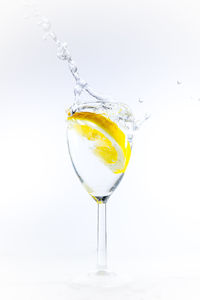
[[101, 237]]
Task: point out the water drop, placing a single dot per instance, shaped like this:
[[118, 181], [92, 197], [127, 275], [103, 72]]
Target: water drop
[[147, 116], [77, 89], [140, 100], [53, 36], [63, 52], [82, 83], [46, 25], [73, 67], [58, 43], [179, 82]]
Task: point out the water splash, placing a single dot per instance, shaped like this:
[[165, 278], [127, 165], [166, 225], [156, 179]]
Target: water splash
[[63, 53]]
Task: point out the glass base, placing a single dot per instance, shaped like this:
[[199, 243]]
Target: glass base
[[105, 283], [98, 279]]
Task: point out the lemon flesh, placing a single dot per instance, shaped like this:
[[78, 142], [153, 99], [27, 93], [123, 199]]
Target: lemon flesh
[[111, 145]]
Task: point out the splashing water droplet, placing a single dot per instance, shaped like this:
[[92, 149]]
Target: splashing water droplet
[[62, 51], [179, 82], [77, 90], [73, 67], [82, 83], [147, 116], [53, 36], [140, 100], [46, 25]]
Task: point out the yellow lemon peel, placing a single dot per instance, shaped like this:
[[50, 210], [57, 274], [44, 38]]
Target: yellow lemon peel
[[111, 144]]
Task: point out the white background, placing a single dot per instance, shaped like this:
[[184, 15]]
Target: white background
[[130, 50]]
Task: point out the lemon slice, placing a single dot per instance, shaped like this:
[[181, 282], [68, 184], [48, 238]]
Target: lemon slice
[[110, 144]]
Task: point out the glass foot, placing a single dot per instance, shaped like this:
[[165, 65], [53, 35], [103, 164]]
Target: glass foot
[[107, 281]]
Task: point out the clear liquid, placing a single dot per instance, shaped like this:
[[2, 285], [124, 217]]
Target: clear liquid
[[96, 177]]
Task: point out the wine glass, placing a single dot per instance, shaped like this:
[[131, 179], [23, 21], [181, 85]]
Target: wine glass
[[99, 135]]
